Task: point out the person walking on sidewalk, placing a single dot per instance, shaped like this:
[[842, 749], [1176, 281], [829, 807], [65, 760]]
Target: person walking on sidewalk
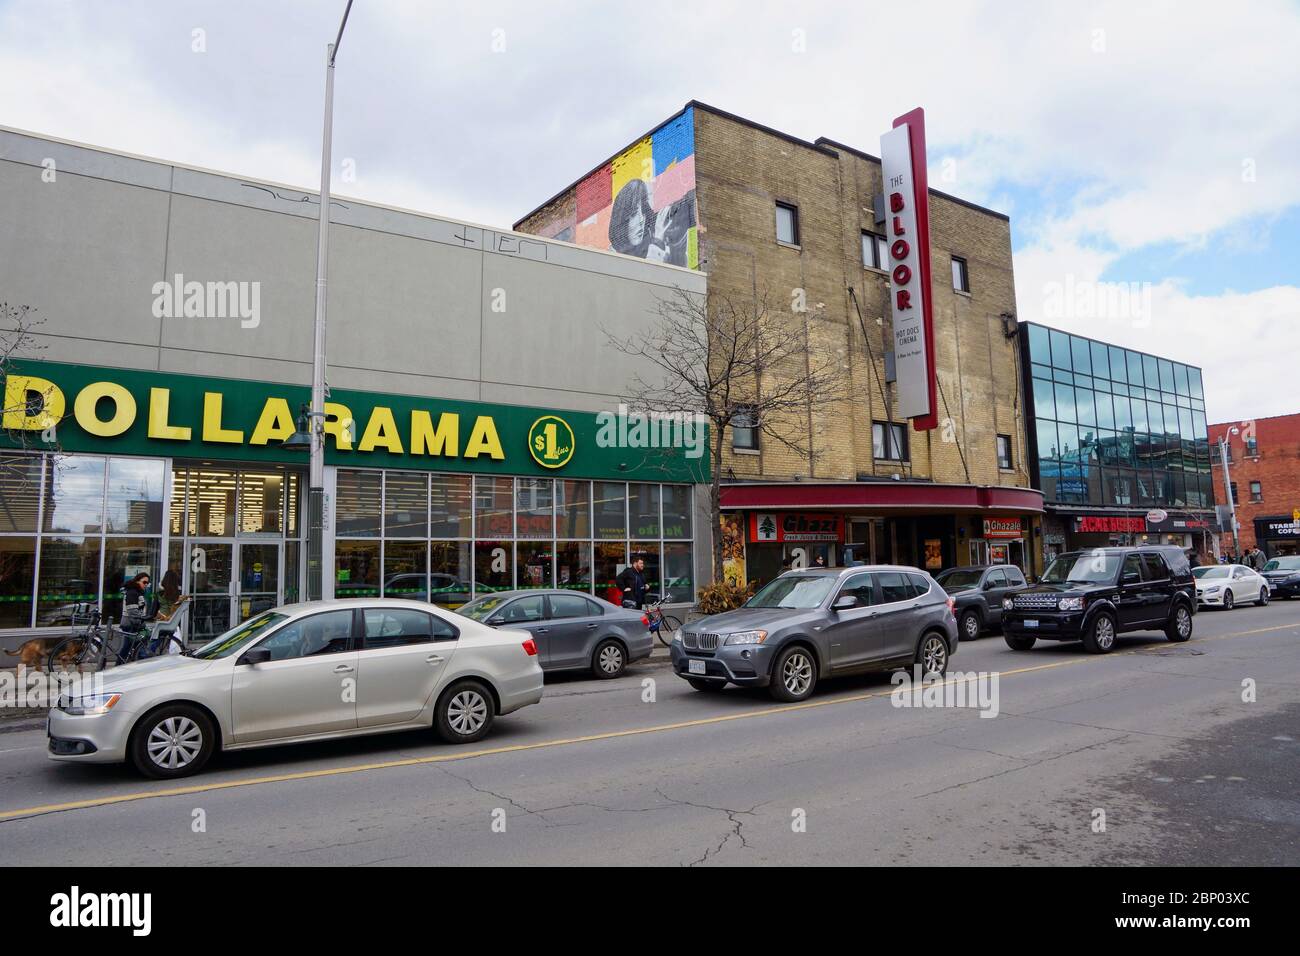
[[632, 582]]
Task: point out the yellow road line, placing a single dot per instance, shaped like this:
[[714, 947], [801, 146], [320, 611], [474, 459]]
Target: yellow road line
[[540, 745]]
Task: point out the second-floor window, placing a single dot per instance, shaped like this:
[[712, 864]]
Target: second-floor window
[[960, 275], [1252, 447], [1233, 488], [875, 253], [1004, 451], [1256, 491], [744, 428], [787, 224], [889, 442]]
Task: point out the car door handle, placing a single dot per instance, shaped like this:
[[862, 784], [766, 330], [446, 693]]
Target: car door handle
[[343, 669], [542, 630], [433, 659], [592, 626]]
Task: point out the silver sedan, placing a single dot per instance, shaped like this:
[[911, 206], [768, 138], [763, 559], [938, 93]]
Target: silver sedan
[[313, 671]]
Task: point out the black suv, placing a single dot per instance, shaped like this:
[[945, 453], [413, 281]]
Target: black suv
[[1092, 596], [979, 591]]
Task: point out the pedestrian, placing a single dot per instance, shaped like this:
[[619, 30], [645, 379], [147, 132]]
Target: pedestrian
[[1192, 558], [1257, 559], [820, 561], [786, 564], [632, 582], [137, 610], [171, 591]]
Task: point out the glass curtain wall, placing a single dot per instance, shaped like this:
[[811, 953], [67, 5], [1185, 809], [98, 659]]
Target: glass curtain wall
[[446, 538], [1117, 427]]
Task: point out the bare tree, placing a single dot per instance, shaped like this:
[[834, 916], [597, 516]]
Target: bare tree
[[17, 339], [734, 360]]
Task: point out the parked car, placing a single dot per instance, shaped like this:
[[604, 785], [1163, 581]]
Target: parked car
[[820, 622], [1092, 596], [277, 678], [1227, 585], [573, 631], [978, 592], [446, 588], [1283, 576]]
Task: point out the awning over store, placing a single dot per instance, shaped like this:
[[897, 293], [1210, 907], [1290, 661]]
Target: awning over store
[[912, 496]]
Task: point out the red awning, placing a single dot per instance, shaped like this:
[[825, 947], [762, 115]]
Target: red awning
[[882, 495]]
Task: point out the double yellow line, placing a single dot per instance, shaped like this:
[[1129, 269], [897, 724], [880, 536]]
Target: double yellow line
[[562, 742]]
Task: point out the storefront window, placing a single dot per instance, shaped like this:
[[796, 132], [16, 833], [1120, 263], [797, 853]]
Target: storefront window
[[649, 552], [124, 558], [20, 492], [573, 565], [406, 505], [533, 508], [357, 503], [450, 573], [677, 511], [536, 560], [405, 570], [68, 575], [356, 569], [573, 509], [76, 501], [450, 497], [494, 566], [610, 560], [678, 573], [610, 506], [210, 503], [493, 506], [17, 577], [644, 503]]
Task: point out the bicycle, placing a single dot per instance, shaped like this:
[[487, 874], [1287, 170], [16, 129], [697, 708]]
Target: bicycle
[[156, 645], [661, 625], [92, 647]]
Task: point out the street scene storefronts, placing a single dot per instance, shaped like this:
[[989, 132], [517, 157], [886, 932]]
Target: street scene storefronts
[[773, 526], [1118, 444], [112, 472]]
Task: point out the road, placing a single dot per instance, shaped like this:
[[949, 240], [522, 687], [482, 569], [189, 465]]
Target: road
[[1154, 741]]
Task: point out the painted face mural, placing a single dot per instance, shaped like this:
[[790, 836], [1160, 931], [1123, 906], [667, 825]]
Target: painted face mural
[[641, 203]]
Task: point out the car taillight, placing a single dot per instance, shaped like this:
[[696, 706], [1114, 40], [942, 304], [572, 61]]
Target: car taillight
[[952, 606], [530, 647]]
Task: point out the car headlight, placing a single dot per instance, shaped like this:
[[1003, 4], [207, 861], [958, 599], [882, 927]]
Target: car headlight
[[1008, 604], [1070, 604], [88, 704], [747, 637], [677, 636], [1213, 590]]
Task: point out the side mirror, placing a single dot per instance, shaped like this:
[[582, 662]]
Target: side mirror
[[988, 585], [493, 621], [257, 655], [844, 602], [1131, 577]]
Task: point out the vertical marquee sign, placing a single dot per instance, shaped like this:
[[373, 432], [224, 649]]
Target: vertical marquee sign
[[907, 193]]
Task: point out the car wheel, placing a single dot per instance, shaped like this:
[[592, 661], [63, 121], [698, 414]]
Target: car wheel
[[465, 713], [1020, 642], [609, 659], [1179, 628], [706, 686], [173, 741], [1228, 602], [1099, 638], [932, 655], [1263, 597], [970, 626], [794, 675]]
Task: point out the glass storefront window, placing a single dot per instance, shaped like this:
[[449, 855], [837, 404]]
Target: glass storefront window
[[649, 552], [677, 511], [20, 492], [17, 578], [405, 570], [449, 573], [211, 503], [573, 509], [610, 559], [643, 501], [450, 497], [679, 573], [68, 575], [357, 504], [494, 566], [493, 506], [261, 503], [536, 565], [610, 507], [292, 570], [573, 565], [124, 558], [356, 569], [76, 502], [406, 505], [533, 508]]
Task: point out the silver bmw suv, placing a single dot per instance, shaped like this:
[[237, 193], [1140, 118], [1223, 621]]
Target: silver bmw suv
[[822, 622]]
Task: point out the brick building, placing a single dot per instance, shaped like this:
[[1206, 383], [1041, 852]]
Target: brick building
[[1264, 466], [763, 212]]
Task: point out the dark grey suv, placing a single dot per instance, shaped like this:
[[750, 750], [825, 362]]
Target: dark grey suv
[[823, 622]]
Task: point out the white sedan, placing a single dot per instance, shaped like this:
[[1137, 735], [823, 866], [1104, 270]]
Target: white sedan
[[1227, 585], [313, 671]]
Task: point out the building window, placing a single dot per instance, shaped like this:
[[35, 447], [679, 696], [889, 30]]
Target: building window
[[1233, 488], [960, 275], [744, 428], [895, 449], [1256, 491], [787, 224], [875, 254], [1252, 446], [1004, 451]]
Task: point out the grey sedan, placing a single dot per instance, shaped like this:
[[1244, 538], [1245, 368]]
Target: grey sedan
[[573, 631], [817, 623]]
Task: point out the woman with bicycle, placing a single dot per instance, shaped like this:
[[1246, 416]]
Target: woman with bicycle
[[137, 611]]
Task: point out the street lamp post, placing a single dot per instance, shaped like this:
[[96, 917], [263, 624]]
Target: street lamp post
[[1227, 487], [316, 415]]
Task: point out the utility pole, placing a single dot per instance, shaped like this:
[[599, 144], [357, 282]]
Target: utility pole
[[316, 476], [1227, 488]]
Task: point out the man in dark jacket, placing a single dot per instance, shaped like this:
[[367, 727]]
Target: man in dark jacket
[[632, 582]]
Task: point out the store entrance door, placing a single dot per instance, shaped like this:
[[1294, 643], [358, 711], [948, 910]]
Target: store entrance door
[[231, 582], [259, 579]]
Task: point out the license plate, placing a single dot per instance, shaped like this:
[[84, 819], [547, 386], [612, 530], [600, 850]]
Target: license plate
[[1031, 623], [695, 667]]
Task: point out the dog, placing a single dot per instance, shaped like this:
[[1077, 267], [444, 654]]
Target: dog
[[33, 653]]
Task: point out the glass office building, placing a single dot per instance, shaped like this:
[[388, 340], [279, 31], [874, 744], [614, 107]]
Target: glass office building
[[1118, 443]]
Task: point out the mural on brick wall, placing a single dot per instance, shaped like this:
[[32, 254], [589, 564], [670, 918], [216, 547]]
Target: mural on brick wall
[[641, 203]]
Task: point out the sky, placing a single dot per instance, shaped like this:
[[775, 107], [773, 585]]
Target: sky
[[1148, 154]]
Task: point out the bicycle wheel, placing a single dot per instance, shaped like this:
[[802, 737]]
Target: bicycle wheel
[[668, 626], [160, 647], [74, 653]]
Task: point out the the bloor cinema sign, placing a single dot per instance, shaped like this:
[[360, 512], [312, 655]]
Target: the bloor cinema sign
[[907, 209]]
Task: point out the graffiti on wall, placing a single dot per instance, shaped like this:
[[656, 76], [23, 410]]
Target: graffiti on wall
[[640, 203]]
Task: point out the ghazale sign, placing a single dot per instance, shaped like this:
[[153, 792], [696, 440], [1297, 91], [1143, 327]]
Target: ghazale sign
[[1002, 528], [907, 193]]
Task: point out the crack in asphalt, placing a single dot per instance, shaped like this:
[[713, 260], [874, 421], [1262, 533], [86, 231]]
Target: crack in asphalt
[[1027, 765], [737, 826]]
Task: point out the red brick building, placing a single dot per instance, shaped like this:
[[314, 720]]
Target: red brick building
[[1264, 465]]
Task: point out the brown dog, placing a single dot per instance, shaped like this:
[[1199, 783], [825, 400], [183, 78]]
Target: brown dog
[[33, 653]]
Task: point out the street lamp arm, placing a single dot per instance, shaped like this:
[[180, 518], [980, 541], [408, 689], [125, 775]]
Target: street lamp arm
[[334, 50]]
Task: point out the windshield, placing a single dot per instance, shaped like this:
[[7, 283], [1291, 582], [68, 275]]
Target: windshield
[[1284, 564], [239, 637], [1082, 567], [1219, 572], [801, 591], [480, 610], [959, 580]]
